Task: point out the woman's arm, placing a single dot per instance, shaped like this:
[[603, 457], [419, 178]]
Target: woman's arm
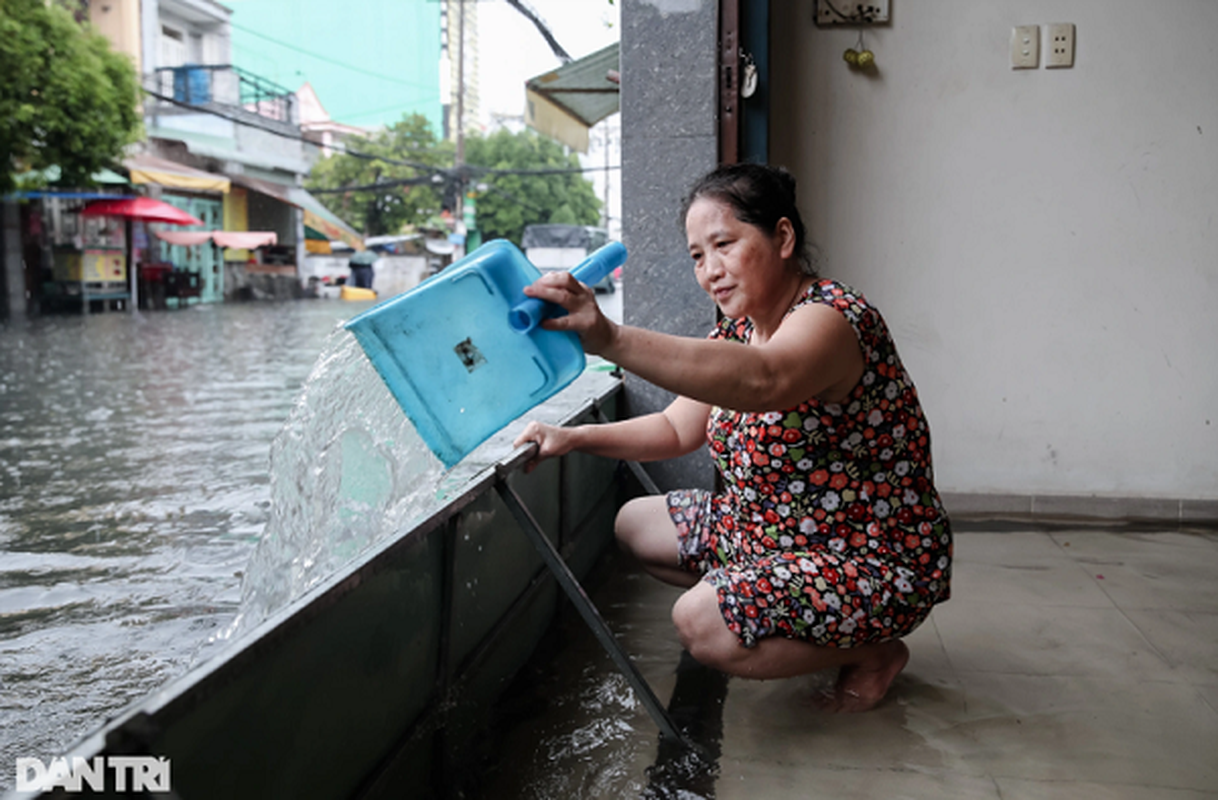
[[814, 353], [677, 430]]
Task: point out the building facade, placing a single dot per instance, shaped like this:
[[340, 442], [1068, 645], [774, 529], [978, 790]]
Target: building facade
[[459, 67], [1039, 240], [370, 62]]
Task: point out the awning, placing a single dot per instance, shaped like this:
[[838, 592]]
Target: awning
[[43, 177], [34, 184], [240, 240], [163, 172], [183, 238], [244, 240], [564, 103], [320, 222]]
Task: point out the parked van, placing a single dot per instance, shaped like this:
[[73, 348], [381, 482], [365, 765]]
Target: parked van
[[551, 247]]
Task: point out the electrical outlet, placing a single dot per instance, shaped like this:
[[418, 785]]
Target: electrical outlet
[[1025, 47], [1059, 45]]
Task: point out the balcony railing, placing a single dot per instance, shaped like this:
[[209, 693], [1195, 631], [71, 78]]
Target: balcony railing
[[223, 87]]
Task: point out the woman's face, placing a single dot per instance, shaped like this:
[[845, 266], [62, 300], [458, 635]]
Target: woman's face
[[743, 268]]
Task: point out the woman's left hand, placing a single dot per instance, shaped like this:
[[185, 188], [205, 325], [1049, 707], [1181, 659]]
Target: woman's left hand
[[551, 440], [584, 316]]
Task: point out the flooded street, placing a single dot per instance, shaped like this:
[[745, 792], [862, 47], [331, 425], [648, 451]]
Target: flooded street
[[134, 485]]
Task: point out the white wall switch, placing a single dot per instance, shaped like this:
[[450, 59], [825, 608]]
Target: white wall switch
[[1025, 47], [1059, 45]]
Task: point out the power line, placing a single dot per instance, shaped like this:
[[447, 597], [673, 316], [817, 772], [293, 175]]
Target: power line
[[327, 59], [448, 173], [542, 170], [390, 184], [515, 199], [533, 17], [294, 137], [395, 106], [469, 168]]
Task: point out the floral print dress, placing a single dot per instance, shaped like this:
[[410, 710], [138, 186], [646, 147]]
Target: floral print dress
[[828, 527]]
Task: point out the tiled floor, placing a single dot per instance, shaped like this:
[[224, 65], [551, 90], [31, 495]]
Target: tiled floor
[[1073, 664]]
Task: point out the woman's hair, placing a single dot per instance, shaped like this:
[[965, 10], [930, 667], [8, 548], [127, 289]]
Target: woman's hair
[[759, 195]]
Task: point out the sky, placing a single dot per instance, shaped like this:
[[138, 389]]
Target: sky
[[368, 66], [393, 67], [511, 51]]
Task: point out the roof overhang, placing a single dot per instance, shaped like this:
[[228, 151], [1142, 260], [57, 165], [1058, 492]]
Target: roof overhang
[[171, 174], [320, 222], [564, 103]]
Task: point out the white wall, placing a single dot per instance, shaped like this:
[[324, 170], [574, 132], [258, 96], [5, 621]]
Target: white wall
[[1041, 242]]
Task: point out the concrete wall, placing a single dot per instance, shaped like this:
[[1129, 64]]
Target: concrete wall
[[669, 139], [1042, 242], [12, 267], [119, 21]]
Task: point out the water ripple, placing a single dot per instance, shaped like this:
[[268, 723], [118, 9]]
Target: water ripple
[[134, 484]]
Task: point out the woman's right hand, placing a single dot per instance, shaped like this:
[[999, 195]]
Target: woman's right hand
[[584, 316], [552, 441]]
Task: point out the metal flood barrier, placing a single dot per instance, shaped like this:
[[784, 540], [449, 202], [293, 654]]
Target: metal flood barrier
[[376, 679]]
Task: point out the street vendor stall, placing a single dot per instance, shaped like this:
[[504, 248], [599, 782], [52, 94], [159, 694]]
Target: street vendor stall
[[160, 282], [103, 270]]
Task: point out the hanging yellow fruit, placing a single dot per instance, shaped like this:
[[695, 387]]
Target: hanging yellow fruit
[[865, 58], [851, 57]]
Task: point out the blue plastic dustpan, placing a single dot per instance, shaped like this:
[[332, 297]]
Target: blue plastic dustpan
[[462, 352]]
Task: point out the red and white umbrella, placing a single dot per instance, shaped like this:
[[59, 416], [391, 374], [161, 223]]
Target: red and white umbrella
[[141, 208]]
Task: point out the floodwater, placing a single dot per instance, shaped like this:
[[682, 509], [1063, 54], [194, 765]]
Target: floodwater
[[167, 479], [569, 725], [134, 486]]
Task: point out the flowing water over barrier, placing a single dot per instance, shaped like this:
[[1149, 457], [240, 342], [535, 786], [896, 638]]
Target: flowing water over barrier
[[347, 469], [136, 530], [133, 489]]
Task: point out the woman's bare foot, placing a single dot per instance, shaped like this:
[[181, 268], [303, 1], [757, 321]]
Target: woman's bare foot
[[861, 686]]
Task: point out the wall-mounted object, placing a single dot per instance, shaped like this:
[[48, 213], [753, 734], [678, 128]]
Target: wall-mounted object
[[1059, 45], [859, 57], [749, 76], [851, 12], [1025, 47]]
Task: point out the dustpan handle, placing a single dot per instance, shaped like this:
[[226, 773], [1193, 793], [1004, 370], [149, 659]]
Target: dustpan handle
[[524, 316]]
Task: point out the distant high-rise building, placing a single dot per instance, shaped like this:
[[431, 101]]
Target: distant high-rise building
[[459, 65]]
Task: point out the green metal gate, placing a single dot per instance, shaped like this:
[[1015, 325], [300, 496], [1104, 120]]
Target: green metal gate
[[206, 259]]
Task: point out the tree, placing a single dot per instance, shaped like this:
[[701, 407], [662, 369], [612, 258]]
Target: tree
[[403, 177], [411, 195], [520, 191], [66, 98]]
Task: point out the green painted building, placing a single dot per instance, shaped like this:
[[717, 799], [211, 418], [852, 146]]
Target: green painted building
[[370, 62]]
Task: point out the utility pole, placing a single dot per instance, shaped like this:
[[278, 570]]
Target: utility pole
[[606, 174], [460, 160]]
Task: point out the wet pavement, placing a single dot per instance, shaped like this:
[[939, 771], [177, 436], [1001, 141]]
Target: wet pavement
[[1074, 663]]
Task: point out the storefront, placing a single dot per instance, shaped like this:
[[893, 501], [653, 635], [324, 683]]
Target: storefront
[[203, 263]]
